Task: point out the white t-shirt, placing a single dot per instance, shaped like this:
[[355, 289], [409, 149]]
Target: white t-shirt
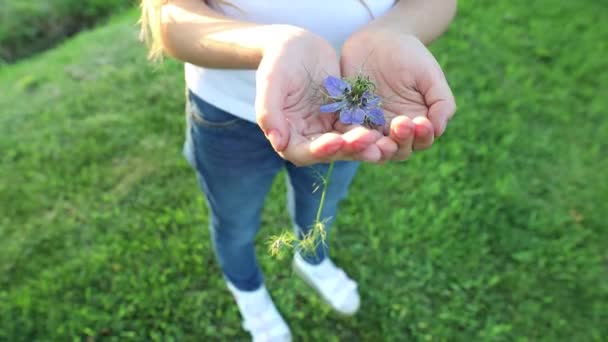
[[334, 20]]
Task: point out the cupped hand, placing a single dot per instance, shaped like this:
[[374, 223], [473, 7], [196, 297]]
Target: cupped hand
[[416, 98], [287, 104]]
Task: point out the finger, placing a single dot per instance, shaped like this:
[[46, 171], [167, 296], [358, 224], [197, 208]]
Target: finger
[[269, 100], [370, 154], [423, 134], [359, 138], [440, 113], [303, 151], [440, 100], [402, 132], [361, 144], [325, 146], [388, 148]]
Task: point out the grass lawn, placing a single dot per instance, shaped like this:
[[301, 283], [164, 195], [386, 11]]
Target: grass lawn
[[27, 27], [495, 234]]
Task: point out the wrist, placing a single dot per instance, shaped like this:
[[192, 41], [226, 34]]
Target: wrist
[[376, 33], [281, 36], [372, 40], [244, 45], [295, 43]]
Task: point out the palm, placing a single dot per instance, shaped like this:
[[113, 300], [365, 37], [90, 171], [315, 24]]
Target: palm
[[407, 101], [408, 79], [309, 129], [301, 106], [288, 104]]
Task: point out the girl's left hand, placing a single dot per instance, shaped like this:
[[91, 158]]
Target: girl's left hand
[[417, 100], [287, 104]]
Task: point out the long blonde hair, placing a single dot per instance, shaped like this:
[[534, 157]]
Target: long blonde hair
[[150, 24], [150, 27]]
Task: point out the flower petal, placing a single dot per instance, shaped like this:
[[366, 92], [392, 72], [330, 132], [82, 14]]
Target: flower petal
[[376, 116], [332, 107], [371, 100], [335, 86], [358, 116], [346, 116]]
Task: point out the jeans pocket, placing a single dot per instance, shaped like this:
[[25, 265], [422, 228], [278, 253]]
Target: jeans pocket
[[206, 115]]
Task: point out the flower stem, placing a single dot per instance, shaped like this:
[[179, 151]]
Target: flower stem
[[325, 186], [309, 241]]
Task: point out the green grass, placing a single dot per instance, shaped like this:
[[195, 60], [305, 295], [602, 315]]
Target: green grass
[[27, 27], [495, 234]]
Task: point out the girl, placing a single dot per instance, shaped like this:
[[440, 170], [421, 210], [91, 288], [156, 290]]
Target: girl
[[252, 68]]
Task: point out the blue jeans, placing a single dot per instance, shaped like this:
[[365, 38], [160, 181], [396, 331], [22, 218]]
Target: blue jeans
[[236, 165]]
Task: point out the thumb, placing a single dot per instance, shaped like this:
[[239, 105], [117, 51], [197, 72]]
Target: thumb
[[269, 99]]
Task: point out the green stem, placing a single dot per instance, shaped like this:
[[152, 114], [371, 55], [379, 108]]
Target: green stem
[[325, 186], [308, 243]]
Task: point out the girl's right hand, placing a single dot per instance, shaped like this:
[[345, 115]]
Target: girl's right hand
[[288, 81]]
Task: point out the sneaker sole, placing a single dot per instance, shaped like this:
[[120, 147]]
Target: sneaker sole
[[310, 283]]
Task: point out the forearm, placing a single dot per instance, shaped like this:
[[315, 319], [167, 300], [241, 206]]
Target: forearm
[[194, 33], [425, 19]]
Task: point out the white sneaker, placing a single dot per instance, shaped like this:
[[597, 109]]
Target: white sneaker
[[260, 317], [334, 286]]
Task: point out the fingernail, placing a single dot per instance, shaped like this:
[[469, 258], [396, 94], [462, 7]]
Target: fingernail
[[358, 145], [402, 131], [331, 149], [421, 130], [275, 139]]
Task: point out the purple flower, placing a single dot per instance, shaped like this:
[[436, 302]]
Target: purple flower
[[336, 87], [355, 106]]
